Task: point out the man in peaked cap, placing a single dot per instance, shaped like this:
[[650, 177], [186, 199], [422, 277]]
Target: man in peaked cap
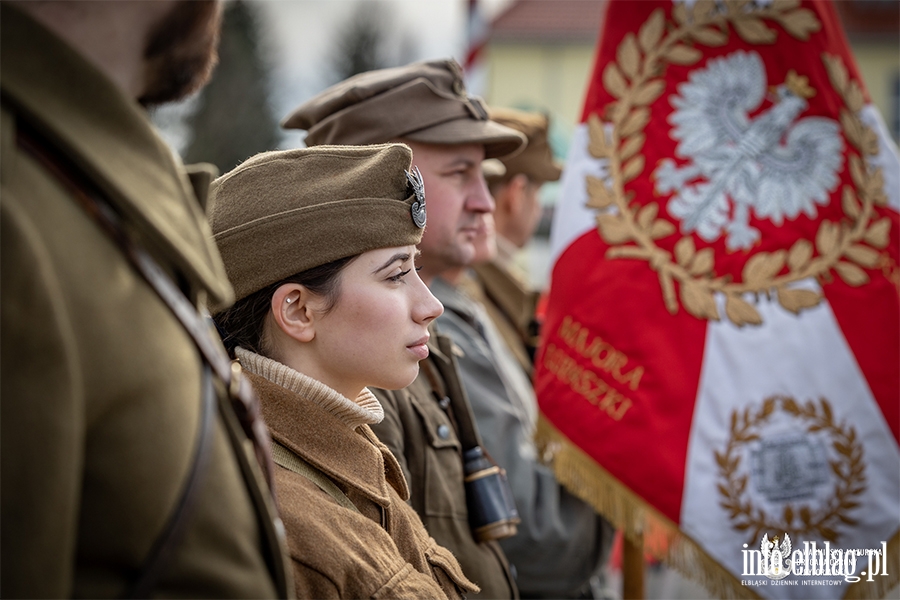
[[426, 106], [559, 544]]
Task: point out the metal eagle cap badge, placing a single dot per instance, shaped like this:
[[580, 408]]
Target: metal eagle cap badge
[[417, 210]]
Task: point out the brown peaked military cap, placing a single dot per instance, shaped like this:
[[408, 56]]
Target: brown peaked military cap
[[536, 160], [421, 102], [280, 213]]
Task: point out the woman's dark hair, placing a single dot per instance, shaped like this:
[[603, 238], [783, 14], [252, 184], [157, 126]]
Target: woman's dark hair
[[242, 324]]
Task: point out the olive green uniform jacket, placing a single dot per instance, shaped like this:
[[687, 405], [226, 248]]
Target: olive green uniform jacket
[[561, 542], [381, 551], [420, 429], [101, 386]]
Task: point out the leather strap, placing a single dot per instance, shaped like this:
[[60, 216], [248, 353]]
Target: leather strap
[[160, 555], [462, 410]]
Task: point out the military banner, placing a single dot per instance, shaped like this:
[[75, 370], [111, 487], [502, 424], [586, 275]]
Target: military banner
[[720, 362]]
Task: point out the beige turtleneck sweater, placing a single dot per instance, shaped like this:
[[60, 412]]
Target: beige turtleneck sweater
[[365, 410]]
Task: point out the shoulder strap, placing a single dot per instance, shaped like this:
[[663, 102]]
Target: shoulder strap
[[290, 461], [167, 542], [449, 373]]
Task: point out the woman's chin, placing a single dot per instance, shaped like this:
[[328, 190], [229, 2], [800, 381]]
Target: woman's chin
[[400, 381]]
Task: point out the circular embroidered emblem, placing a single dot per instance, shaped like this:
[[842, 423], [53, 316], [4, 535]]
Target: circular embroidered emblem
[[787, 467]]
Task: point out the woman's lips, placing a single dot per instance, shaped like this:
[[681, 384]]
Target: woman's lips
[[420, 348]]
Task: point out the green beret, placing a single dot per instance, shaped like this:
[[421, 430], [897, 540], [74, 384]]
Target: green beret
[[536, 160], [280, 213], [421, 102]]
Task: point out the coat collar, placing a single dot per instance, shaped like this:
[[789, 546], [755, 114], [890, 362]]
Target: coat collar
[[111, 140], [353, 458]]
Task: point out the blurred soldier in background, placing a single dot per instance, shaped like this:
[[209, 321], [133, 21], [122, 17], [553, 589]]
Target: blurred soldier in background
[[124, 469], [426, 106], [501, 284]]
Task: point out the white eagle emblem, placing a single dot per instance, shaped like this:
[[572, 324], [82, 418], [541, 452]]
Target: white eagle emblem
[[772, 162], [775, 555]]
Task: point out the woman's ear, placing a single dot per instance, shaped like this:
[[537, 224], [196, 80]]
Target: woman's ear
[[293, 312]]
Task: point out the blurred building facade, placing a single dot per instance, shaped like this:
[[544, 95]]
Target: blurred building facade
[[540, 54], [873, 29]]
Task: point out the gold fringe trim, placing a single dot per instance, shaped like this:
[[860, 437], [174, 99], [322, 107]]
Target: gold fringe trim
[[883, 584], [628, 512], [662, 538]]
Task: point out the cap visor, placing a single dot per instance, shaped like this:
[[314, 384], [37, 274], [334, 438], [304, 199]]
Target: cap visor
[[499, 141]]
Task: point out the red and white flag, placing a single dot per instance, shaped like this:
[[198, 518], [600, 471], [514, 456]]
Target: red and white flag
[[721, 350]]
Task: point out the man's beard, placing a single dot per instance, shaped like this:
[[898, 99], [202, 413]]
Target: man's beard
[[181, 51]]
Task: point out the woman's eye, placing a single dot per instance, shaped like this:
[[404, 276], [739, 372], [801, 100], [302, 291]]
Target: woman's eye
[[399, 276]]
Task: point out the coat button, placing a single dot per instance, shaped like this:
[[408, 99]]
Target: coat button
[[443, 431]]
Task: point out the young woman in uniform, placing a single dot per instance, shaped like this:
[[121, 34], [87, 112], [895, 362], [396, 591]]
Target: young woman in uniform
[[320, 246]]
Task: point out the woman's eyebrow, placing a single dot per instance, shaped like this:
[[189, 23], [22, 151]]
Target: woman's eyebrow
[[401, 256]]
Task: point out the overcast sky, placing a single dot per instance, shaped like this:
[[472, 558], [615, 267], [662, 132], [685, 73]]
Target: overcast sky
[[298, 36], [301, 34]]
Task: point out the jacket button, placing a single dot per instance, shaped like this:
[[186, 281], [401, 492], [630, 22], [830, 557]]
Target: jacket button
[[443, 431]]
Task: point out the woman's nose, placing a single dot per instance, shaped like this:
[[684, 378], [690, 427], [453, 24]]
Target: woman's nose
[[427, 307]]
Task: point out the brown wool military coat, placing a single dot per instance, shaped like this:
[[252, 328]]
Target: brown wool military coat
[[383, 551], [101, 386], [421, 432]]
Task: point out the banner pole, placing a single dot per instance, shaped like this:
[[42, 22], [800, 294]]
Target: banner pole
[[633, 568]]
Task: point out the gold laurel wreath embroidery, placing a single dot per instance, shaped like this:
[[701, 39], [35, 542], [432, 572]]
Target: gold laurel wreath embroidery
[[631, 230], [802, 520]]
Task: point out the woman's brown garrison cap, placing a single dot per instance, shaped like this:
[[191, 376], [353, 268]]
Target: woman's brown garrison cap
[[280, 213]]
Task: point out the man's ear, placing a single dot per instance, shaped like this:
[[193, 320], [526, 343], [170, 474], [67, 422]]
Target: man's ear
[[293, 311], [515, 193]]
